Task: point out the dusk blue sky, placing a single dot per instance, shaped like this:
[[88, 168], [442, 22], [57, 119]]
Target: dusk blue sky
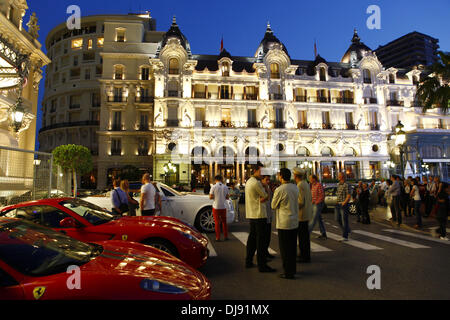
[[242, 23]]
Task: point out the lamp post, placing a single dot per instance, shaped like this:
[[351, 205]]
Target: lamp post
[[400, 139], [36, 163]]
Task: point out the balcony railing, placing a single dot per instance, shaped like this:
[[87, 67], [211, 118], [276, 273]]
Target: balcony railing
[[143, 152], [116, 127], [275, 75], [225, 95], [252, 124], [144, 99], [116, 152], [374, 127], [226, 124], [117, 99], [396, 103], [143, 127], [350, 126], [327, 126], [172, 123], [319, 99], [70, 124], [300, 98], [172, 93], [344, 100], [277, 96], [251, 97], [174, 71], [200, 95], [279, 124], [301, 125], [370, 100]]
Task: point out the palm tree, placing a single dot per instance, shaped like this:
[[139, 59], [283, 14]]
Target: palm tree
[[434, 91]]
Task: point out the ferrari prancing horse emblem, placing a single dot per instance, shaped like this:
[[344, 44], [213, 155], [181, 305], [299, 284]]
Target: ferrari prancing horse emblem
[[38, 292]]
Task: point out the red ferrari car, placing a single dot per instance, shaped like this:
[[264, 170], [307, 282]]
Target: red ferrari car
[[34, 263], [87, 222]]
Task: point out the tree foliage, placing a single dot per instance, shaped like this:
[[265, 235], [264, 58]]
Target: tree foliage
[[73, 157], [434, 92]]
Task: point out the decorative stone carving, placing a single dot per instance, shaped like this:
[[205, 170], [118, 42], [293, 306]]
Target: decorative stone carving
[[33, 27]]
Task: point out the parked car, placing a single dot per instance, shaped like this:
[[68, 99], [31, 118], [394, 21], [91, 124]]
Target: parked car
[[331, 200], [190, 207], [86, 222], [34, 261]]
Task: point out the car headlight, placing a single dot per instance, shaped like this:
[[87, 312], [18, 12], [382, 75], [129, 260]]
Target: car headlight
[[189, 236], [161, 287]]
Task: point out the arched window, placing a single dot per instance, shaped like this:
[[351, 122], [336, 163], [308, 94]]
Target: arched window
[[274, 71], [391, 78], [174, 66], [350, 152], [322, 74], [431, 152], [225, 69], [119, 72], [367, 76], [303, 152], [326, 152]]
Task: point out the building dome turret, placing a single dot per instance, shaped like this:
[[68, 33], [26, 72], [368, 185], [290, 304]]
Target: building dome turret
[[267, 43], [175, 32], [356, 51]]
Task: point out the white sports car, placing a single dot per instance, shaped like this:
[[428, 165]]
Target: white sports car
[[192, 208]]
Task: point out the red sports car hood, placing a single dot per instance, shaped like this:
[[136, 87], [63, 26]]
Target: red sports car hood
[[164, 222], [141, 261]]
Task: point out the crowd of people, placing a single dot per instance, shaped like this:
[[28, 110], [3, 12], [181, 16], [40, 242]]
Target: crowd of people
[[296, 208]]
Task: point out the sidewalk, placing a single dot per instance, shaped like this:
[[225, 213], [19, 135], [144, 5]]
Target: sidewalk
[[380, 214]]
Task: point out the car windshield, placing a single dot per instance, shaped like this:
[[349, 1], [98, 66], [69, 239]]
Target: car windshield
[[34, 250], [163, 186], [92, 213]]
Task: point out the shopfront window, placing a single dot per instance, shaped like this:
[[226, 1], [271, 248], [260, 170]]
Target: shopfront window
[[329, 170]]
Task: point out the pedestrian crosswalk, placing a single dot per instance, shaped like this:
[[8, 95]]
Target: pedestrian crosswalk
[[392, 240], [359, 239], [418, 236], [243, 236], [314, 246], [351, 242]]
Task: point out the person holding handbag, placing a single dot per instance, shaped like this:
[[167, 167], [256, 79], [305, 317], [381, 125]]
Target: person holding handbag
[[119, 199]]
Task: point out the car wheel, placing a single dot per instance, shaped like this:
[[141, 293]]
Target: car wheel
[[162, 245], [352, 208], [205, 220]]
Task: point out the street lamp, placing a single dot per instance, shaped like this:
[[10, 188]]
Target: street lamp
[[400, 139]]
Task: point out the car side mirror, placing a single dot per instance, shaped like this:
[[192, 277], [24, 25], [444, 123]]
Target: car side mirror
[[69, 222]]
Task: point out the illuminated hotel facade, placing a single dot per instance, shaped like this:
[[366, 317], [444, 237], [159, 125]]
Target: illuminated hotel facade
[[212, 114]]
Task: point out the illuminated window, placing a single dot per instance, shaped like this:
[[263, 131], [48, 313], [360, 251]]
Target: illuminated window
[[100, 42], [145, 73], [367, 76], [322, 74], [120, 35], [225, 69], [173, 66], [118, 72], [77, 43], [90, 44], [274, 71]]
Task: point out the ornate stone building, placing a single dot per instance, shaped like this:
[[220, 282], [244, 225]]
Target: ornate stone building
[[210, 114], [21, 60]]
